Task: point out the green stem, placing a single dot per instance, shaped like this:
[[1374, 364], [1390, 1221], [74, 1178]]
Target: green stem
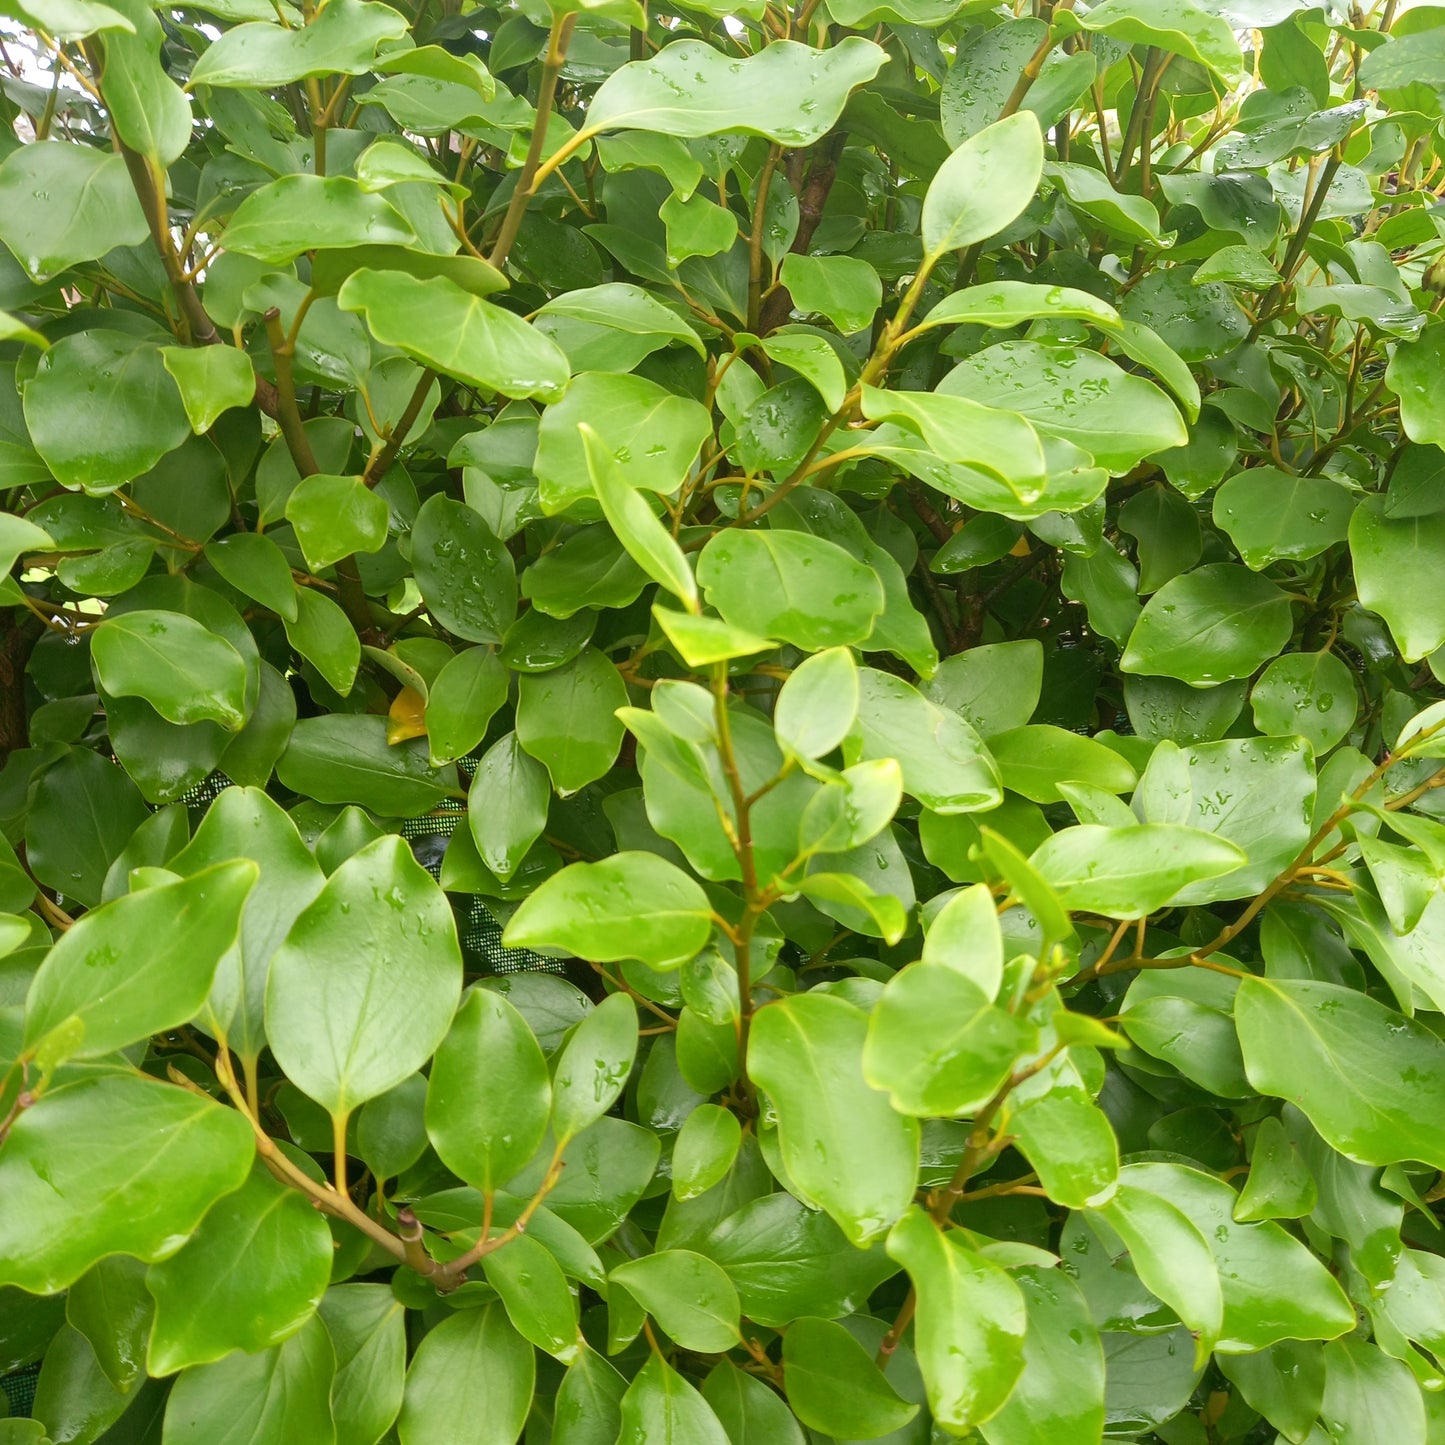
[[527, 180]]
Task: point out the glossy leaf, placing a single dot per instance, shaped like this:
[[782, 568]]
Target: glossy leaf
[[845, 1149]]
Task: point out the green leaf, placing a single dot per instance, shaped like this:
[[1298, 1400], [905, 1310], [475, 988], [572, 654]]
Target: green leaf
[[211, 380], [845, 1149], [1074, 394], [1306, 694], [1286, 1384], [112, 1164], [102, 409], [1274, 1288], [688, 1295], [366, 1323], [1211, 625], [566, 719], [363, 989], [593, 1066], [964, 935], [651, 434], [1034, 760], [588, 1410], [1394, 577], [187, 673], [816, 706], [1070, 1142], [249, 1277], [473, 1366], [661, 1405], [650, 545], [1132, 871], [970, 1323], [343, 38], [304, 213], [701, 641], [254, 564], [68, 19], [282, 1393], [1171, 1257], [109, 1305], [748, 1410], [343, 758], [706, 1146], [788, 92], [507, 805], [843, 289], [465, 573], [1270, 515], [632, 905], [534, 1290], [984, 185], [488, 1097], [834, 1386], [324, 636], [149, 111], [965, 432], [442, 326], [945, 764], [1413, 375], [61, 204], [334, 517], [621, 307], [461, 702], [1279, 1185], [1366, 1077], [1257, 793], [1178, 26], [1367, 1393], [938, 1044], [1060, 1394], [141, 964]]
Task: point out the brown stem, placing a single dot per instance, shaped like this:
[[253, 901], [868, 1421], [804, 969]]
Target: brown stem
[[755, 240], [557, 41], [380, 464]]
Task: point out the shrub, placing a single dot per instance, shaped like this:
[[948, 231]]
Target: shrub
[[718, 722]]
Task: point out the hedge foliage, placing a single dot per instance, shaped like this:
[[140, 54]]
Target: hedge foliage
[[719, 723]]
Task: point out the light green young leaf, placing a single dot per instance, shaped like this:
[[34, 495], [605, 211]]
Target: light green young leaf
[[632, 905], [984, 185]]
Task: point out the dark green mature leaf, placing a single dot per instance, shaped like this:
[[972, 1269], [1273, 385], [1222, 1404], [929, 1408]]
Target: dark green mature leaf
[[364, 987], [689, 1296], [280, 1393], [368, 1333], [833, 1385], [463, 571], [661, 1405], [1208, 626], [566, 719], [343, 758], [1394, 578], [114, 1164], [488, 1097], [846, 1151], [250, 1276], [1366, 1077], [473, 1366]]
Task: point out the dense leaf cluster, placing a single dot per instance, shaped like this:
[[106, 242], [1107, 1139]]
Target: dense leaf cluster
[[718, 722]]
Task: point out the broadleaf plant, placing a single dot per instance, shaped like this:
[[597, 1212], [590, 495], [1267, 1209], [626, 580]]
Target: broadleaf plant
[[722, 723]]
